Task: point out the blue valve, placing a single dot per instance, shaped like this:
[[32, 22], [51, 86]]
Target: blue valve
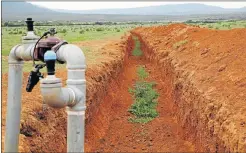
[[49, 55], [50, 59]]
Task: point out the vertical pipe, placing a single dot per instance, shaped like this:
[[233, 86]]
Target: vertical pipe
[[13, 107], [75, 131], [76, 114], [75, 59]]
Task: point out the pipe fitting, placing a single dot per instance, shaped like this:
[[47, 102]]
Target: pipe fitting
[[79, 104], [53, 93], [13, 58], [77, 61], [21, 52]]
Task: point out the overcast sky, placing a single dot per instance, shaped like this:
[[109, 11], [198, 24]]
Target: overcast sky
[[106, 5]]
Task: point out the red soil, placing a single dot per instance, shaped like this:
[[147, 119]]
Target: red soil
[[48, 128], [209, 81], [117, 134]]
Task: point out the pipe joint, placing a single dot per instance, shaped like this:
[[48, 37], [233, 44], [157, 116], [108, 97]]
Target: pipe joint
[[13, 58], [21, 52], [53, 93], [79, 104], [58, 97]]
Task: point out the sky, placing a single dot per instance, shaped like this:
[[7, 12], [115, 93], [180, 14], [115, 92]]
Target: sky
[[108, 5]]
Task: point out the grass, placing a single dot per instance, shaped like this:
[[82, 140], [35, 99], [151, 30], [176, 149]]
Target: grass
[[145, 99], [11, 36], [137, 50], [180, 43]]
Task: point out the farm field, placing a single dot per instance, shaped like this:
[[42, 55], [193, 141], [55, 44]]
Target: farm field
[[77, 33], [194, 75], [71, 33]]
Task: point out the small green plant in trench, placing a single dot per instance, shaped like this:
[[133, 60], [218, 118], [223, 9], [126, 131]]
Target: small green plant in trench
[[137, 50], [145, 99], [142, 74]]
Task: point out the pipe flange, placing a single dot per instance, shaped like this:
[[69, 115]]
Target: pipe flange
[[50, 82]]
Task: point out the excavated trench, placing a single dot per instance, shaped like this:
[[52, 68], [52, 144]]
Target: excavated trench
[[109, 129]]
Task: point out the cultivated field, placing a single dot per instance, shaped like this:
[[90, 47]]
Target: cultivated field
[[160, 87]]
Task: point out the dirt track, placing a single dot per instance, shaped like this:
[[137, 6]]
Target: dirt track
[[202, 104]]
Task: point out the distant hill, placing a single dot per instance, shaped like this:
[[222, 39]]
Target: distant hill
[[23, 8], [181, 12], [172, 9]]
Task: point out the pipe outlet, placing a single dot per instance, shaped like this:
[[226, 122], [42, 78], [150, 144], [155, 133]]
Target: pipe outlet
[[53, 93]]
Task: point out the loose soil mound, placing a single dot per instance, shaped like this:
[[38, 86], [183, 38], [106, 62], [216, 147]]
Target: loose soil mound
[[208, 75]]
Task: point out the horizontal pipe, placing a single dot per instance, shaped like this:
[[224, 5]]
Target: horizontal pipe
[[21, 52]]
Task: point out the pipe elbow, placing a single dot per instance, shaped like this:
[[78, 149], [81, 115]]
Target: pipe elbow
[[21, 52], [54, 95], [13, 58], [72, 55]]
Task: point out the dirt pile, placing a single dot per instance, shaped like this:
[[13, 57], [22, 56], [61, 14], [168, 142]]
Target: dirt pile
[[207, 76], [45, 131]]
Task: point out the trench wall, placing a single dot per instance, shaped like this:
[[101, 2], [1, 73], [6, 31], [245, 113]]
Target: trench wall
[[211, 120]]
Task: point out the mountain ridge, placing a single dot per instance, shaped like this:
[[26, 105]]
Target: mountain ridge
[[170, 9], [12, 11]]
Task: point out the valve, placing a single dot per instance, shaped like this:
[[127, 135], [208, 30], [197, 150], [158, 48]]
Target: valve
[[50, 59], [34, 77], [29, 23]]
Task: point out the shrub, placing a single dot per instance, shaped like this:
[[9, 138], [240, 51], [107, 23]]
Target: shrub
[[63, 31], [142, 74], [144, 106], [81, 31], [99, 29]]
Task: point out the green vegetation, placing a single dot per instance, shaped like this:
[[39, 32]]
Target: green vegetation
[[180, 43], [11, 36], [142, 74], [219, 25], [145, 99], [137, 50]]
